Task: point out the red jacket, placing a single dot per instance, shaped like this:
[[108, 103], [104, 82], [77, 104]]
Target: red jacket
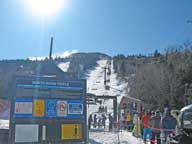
[[145, 121]]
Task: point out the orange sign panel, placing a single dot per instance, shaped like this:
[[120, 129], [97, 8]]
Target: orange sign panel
[[39, 108], [71, 131]]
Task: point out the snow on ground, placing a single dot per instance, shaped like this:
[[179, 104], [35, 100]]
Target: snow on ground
[[123, 137], [64, 66], [95, 85]]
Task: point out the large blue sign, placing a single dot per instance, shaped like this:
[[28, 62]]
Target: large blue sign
[[45, 104], [62, 98]]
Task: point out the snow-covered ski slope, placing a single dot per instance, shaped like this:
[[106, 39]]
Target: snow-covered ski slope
[[95, 85], [64, 66], [95, 81]]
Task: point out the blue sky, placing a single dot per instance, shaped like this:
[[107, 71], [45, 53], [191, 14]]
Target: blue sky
[[107, 26]]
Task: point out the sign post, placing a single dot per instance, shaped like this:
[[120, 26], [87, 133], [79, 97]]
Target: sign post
[[46, 110]]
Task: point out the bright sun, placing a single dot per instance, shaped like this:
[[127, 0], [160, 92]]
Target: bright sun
[[45, 8]]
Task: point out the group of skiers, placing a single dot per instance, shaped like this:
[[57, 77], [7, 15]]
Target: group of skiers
[[151, 124], [98, 121], [155, 126], [103, 109]]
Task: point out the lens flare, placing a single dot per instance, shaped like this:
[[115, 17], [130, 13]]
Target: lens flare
[[45, 8]]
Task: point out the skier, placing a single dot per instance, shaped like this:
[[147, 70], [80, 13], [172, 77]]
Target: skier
[[137, 123], [168, 123], [103, 120], [111, 121], [146, 126], [102, 108], [141, 116], [184, 135], [155, 124], [99, 122], [128, 120], [90, 119], [95, 121], [99, 108], [122, 121]]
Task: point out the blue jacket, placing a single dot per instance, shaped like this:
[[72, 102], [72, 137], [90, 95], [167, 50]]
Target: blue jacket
[[168, 122], [111, 120]]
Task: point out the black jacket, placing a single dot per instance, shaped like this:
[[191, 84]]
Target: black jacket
[[155, 123]]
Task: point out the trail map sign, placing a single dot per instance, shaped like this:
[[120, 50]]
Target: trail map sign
[[46, 110]]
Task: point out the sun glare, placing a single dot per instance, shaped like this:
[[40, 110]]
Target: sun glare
[[45, 8]]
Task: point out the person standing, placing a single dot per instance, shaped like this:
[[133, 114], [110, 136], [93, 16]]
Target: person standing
[[95, 121], [155, 123], [175, 114], [137, 129], [128, 120], [168, 123], [122, 121], [103, 120], [90, 119], [141, 116], [111, 121], [146, 126]]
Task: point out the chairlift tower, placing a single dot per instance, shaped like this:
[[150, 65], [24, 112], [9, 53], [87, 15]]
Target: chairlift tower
[[105, 75], [51, 49]]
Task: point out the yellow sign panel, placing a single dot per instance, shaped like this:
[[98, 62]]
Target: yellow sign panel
[[39, 108], [71, 131]]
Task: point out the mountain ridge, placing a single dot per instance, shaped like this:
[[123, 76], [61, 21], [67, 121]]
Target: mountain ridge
[[9, 69]]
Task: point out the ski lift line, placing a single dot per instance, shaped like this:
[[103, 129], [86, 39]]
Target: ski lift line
[[158, 129]]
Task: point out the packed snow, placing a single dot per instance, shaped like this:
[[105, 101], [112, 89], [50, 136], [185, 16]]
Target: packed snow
[[123, 137]]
